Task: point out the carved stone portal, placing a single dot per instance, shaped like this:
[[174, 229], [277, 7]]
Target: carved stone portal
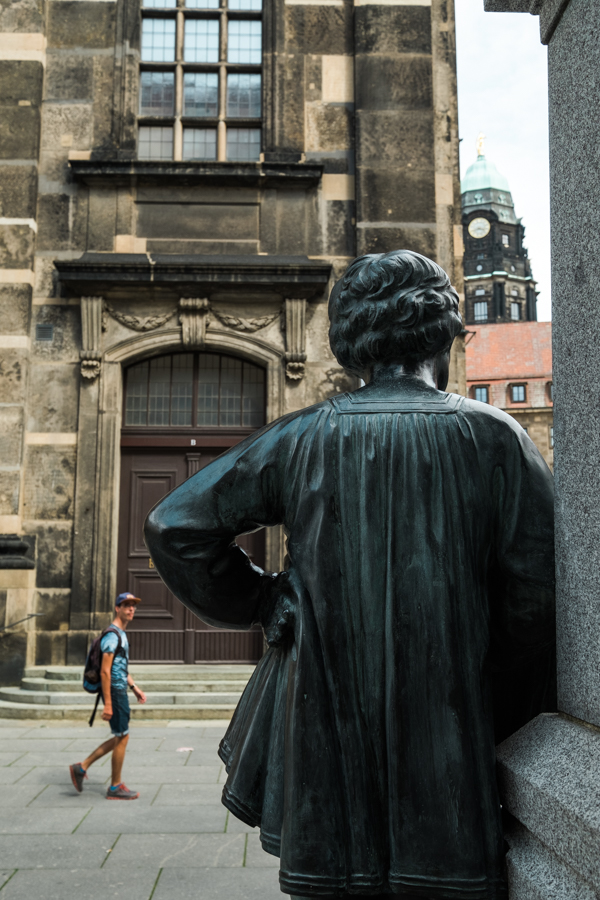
[[193, 313], [295, 339], [91, 329]]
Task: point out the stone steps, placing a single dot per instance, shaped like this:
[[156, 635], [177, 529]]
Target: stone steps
[[37, 685], [173, 692]]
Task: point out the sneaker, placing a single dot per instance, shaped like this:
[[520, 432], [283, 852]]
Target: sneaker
[[120, 792], [78, 773]]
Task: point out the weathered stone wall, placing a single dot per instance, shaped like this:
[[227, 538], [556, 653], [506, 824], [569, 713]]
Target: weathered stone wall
[[360, 155]]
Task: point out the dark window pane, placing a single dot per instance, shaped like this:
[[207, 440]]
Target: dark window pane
[[156, 142], [244, 43], [158, 40], [253, 405], [136, 402], [181, 389], [231, 392], [243, 95], [157, 91], [201, 41], [200, 94], [208, 389], [243, 143], [159, 391], [199, 143]]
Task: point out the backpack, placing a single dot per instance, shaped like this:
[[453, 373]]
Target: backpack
[[91, 671]]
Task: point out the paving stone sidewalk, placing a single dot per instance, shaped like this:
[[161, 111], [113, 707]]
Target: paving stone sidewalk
[[177, 842]]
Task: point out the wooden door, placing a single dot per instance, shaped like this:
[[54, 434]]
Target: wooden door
[[163, 629]]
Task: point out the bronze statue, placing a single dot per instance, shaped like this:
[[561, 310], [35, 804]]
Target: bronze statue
[[413, 627]]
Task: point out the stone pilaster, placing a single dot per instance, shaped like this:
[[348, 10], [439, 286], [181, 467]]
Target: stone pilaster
[[295, 339], [550, 769], [91, 331], [193, 312]]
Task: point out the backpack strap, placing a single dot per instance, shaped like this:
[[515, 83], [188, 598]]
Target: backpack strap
[[112, 629], [93, 716]]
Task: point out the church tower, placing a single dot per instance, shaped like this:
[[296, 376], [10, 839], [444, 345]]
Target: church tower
[[499, 286]]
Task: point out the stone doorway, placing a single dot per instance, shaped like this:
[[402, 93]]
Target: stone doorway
[[181, 411]]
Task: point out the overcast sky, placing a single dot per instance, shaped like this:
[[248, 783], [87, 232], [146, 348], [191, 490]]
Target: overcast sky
[[502, 91]]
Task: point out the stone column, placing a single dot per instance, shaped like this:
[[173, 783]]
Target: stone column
[[550, 769]]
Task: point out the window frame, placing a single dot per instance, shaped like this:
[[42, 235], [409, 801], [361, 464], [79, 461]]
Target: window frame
[[193, 428], [179, 121], [482, 387], [480, 303], [513, 388]]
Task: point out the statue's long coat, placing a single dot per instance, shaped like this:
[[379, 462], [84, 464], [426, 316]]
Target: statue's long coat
[[421, 558]]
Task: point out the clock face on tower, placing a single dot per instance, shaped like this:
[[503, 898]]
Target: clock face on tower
[[479, 228]]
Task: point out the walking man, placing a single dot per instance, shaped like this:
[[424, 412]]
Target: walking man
[[115, 679]]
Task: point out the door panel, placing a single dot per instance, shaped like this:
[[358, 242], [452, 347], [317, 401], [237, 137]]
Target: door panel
[[163, 629], [147, 488]]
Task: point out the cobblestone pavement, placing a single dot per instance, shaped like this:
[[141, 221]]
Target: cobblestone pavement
[[177, 842]]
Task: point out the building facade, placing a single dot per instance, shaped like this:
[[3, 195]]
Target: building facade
[[181, 181], [508, 352], [499, 286], [511, 368]]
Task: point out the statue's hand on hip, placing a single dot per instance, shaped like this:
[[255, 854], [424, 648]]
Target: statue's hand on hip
[[278, 611]]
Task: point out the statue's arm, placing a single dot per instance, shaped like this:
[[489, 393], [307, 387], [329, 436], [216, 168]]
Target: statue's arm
[[190, 534]]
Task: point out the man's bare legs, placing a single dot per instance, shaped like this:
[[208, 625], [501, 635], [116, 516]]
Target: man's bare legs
[[117, 759], [118, 745]]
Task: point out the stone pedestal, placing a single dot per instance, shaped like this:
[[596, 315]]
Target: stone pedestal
[[550, 770]]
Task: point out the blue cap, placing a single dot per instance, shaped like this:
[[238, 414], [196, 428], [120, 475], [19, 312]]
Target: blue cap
[[126, 596]]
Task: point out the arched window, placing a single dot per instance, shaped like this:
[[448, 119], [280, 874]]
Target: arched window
[[194, 390]]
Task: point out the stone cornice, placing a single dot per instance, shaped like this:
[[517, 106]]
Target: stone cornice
[[549, 12], [260, 174], [196, 275]]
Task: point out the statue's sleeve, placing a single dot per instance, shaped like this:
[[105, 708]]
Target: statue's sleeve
[[521, 591], [191, 533]]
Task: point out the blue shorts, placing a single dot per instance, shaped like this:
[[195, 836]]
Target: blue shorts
[[119, 721]]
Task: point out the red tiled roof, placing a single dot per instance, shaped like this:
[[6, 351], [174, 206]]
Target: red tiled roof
[[508, 351]]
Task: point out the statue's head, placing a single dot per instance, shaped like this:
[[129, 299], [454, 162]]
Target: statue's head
[[396, 307]]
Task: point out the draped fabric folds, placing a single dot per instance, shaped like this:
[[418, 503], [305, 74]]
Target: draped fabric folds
[[420, 563]]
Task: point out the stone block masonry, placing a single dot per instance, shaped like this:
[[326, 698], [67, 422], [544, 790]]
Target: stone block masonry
[[359, 153]]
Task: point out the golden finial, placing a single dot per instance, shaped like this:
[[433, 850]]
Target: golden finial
[[480, 144]]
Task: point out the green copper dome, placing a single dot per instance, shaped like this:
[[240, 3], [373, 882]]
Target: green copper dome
[[482, 176]]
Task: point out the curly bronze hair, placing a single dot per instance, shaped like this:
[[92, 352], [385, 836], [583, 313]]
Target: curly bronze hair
[[392, 307]]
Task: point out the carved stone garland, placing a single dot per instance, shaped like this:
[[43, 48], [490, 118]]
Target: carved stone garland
[[136, 323], [241, 324]]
